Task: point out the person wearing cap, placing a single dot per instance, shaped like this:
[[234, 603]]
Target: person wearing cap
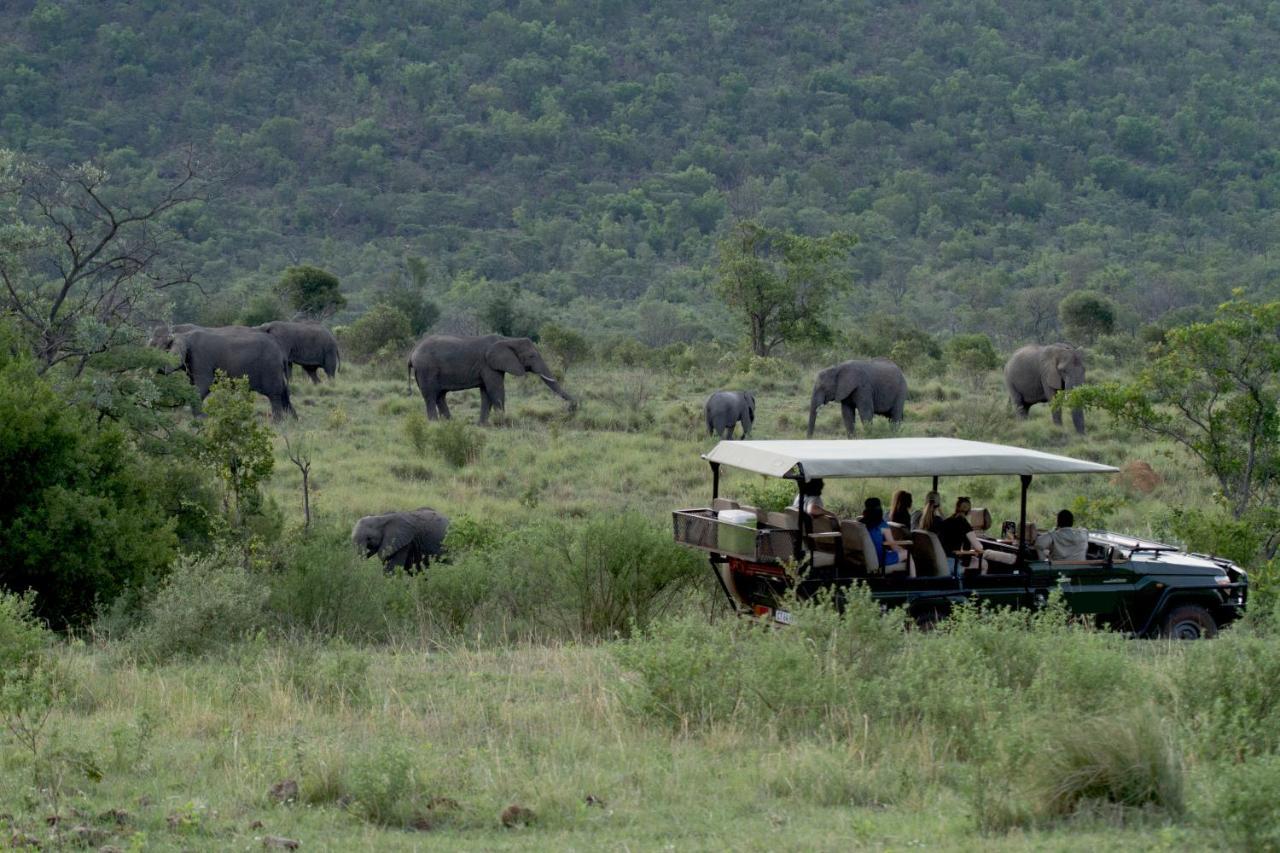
[[888, 550]]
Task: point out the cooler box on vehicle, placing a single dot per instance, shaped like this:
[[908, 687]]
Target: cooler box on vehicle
[[737, 531]]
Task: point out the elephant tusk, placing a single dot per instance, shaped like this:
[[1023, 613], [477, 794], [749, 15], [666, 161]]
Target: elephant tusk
[[546, 378]]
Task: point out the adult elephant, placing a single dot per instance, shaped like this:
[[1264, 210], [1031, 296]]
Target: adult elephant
[[309, 345], [865, 387], [726, 409], [406, 540], [443, 363], [1036, 372], [237, 352]]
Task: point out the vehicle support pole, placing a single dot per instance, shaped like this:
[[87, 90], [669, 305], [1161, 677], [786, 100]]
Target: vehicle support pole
[[935, 483], [1022, 517], [715, 480], [804, 527]]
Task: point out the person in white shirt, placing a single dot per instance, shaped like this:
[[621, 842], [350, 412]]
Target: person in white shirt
[[812, 491], [1067, 543]]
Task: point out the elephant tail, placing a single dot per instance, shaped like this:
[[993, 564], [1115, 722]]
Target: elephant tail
[[411, 377]]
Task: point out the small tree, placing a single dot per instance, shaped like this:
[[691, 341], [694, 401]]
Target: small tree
[[781, 284], [972, 355], [1211, 388], [564, 344], [311, 291], [237, 446], [379, 327], [299, 451], [1086, 314]]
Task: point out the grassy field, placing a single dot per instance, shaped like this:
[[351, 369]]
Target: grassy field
[[696, 733]]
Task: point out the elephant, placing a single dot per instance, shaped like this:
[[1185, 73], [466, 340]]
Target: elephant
[[406, 540], [867, 387], [726, 409], [162, 335], [309, 345], [236, 351], [1035, 373], [443, 363]]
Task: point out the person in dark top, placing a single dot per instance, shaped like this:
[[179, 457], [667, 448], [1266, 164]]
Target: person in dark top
[[900, 509], [953, 531]]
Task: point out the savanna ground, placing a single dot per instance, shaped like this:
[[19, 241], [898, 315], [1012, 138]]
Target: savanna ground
[[413, 712]]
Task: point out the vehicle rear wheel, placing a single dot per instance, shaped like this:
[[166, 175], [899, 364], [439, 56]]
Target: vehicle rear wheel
[[1189, 622]]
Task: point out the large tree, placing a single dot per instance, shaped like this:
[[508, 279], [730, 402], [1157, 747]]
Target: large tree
[[782, 284], [1211, 387], [82, 263]]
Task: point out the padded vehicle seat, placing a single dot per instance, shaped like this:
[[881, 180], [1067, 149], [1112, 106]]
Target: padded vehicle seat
[[723, 503], [858, 548], [930, 559], [980, 520]]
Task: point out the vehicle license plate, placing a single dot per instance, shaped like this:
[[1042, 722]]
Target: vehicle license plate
[[782, 617]]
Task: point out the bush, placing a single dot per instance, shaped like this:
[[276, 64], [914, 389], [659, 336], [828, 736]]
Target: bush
[[1086, 314], [383, 785], [565, 345], [380, 329], [973, 356], [80, 520], [206, 603], [457, 443], [1245, 803], [311, 290], [769, 494]]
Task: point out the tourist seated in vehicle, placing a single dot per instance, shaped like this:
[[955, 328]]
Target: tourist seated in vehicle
[[890, 551], [932, 506], [900, 509], [1068, 542], [958, 540], [812, 492]]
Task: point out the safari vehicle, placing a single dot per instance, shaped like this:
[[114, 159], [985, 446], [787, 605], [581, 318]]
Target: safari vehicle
[[1144, 588]]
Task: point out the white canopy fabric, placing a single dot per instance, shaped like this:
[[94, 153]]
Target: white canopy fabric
[[893, 457]]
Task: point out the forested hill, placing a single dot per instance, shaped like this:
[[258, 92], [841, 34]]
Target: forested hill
[[991, 156]]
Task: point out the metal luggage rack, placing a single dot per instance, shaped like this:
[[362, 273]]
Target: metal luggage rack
[[700, 528]]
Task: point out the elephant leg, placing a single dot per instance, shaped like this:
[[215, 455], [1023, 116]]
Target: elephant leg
[[1077, 420], [1019, 408], [485, 404], [311, 371], [430, 399], [847, 412], [1055, 412], [442, 406], [727, 433]]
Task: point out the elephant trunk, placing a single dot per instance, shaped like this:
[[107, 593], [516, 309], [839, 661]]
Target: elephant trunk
[[556, 389], [814, 402]]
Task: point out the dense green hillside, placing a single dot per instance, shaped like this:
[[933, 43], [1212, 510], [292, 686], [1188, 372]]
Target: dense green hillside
[[992, 156]]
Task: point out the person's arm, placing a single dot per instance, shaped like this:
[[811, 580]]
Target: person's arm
[[1043, 544]]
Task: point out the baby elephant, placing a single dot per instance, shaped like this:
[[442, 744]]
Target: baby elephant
[[726, 409], [406, 540]]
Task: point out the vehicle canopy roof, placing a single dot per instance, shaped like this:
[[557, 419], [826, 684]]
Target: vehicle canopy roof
[[892, 457]]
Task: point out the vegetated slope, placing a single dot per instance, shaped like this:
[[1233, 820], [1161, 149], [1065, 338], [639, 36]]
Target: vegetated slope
[[992, 156]]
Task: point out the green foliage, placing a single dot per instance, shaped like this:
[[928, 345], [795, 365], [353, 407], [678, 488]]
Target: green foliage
[[458, 443], [564, 345], [406, 294], [769, 494], [971, 354], [382, 329], [311, 291], [263, 308], [1210, 389], [467, 533], [236, 447], [1085, 315], [206, 604], [384, 785], [80, 519], [1244, 803], [780, 284]]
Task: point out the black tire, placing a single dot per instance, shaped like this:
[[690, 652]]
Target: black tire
[[1189, 622]]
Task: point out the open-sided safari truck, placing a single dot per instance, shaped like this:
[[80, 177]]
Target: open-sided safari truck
[[1145, 588]]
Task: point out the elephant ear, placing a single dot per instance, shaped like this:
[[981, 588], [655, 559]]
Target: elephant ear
[[396, 534], [502, 356], [751, 405], [847, 379], [1050, 374]]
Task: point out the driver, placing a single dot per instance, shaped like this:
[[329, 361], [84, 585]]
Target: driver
[[1067, 542]]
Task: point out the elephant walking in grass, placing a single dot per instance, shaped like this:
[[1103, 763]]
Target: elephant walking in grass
[[309, 345], [406, 540], [1035, 373], [726, 409], [863, 387], [443, 363], [237, 352]]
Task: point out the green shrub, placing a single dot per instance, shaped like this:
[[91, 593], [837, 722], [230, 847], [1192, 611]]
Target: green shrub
[[334, 675], [769, 494], [382, 327], [383, 785], [1126, 758], [459, 444], [206, 603], [1245, 803], [466, 533], [1230, 689]]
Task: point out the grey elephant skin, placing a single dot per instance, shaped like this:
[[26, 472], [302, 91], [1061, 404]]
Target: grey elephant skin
[[309, 345], [443, 363], [237, 352], [726, 409], [406, 540], [863, 387], [1036, 372]]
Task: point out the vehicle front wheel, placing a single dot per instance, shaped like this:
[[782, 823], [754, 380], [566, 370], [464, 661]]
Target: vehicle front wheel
[[1189, 622]]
